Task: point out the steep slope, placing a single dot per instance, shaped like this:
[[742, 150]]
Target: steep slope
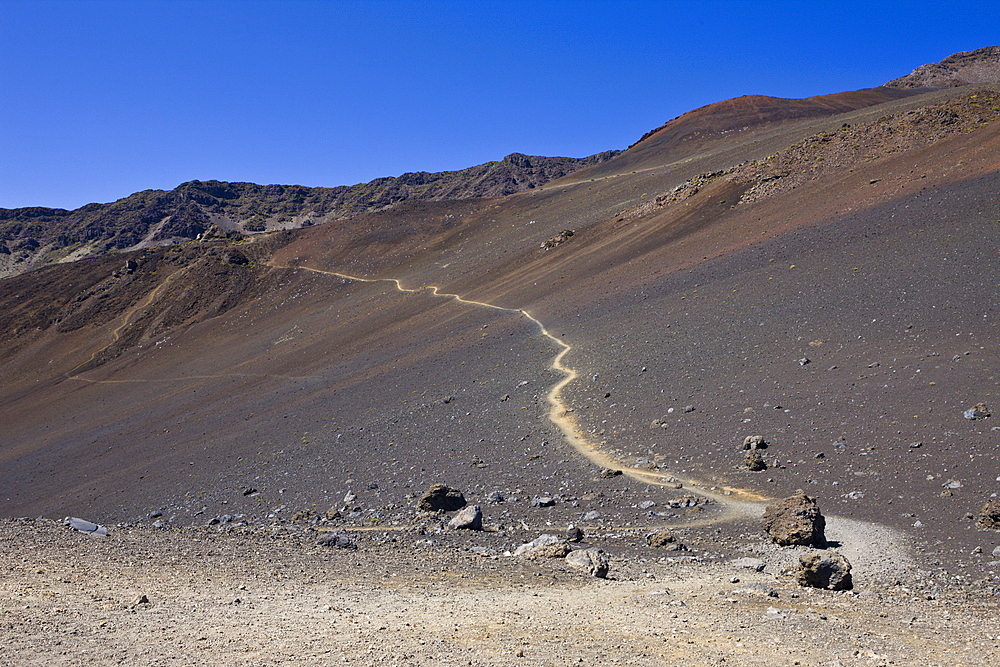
[[316, 365]]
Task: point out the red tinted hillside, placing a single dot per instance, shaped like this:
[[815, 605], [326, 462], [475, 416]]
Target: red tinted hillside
[[693, 131]]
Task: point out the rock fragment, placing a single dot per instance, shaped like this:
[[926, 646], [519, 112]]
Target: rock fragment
[[824, 569], [592, 561], [543, 546], [754, 442], [755, 564], [441, 497], [85, 526], [665, 540], [978, 411], [468, 518], [795, 520], [574, 534]]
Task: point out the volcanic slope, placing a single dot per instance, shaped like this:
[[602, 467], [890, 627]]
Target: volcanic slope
[[699, 280]]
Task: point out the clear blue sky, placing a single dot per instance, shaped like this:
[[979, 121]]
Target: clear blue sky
[[99, 99]]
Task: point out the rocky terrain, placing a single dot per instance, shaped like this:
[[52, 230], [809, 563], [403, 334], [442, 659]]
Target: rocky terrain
[[960, 69], [728, 397], [32, 237]]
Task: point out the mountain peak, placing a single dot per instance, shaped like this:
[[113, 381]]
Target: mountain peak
[[958, 69]]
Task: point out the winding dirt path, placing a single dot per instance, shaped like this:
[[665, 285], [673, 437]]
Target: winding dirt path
[[734, 501], [871, 547]]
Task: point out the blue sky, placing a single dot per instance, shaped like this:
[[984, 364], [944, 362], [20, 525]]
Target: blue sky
[[104, 98]]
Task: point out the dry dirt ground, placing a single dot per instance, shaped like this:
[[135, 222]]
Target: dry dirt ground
[[271, 596]]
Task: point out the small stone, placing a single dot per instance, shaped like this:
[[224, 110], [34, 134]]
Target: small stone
[[543, 501], [468, 518], [592, 515], [608, 473], [141, 599], [754, 442], [688, 408], [574, 534], [803, 361], [755, 564], [593, 561], [758, 590], [979, 411], [646, 504], [495, 498]]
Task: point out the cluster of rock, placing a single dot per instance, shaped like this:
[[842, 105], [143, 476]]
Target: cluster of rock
[[797, 521]]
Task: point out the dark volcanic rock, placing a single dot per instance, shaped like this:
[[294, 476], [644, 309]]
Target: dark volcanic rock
[[441, 497], [754, 461], [824, 569], [337, 540], [795, 520]]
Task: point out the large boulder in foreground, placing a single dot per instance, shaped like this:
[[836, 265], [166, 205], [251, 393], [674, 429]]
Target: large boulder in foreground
[[441, 497], [795, 520], [824, 569]]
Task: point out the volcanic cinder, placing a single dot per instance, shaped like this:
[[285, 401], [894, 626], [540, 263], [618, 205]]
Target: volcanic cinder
[[821, 272]]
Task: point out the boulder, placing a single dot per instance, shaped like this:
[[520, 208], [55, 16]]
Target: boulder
[[795, 520], [441, 497], [468, 518], [989, 516], [824, 569], [85, 526], [592, 561], [665, 540], [754, 461], [336, 540], [543, 546]]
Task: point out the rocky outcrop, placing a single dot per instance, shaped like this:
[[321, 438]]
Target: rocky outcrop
[[959, 69], [824, 569], [795, 520]]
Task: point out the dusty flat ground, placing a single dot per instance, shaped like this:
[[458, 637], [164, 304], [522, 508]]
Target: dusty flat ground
[[271, 596]]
